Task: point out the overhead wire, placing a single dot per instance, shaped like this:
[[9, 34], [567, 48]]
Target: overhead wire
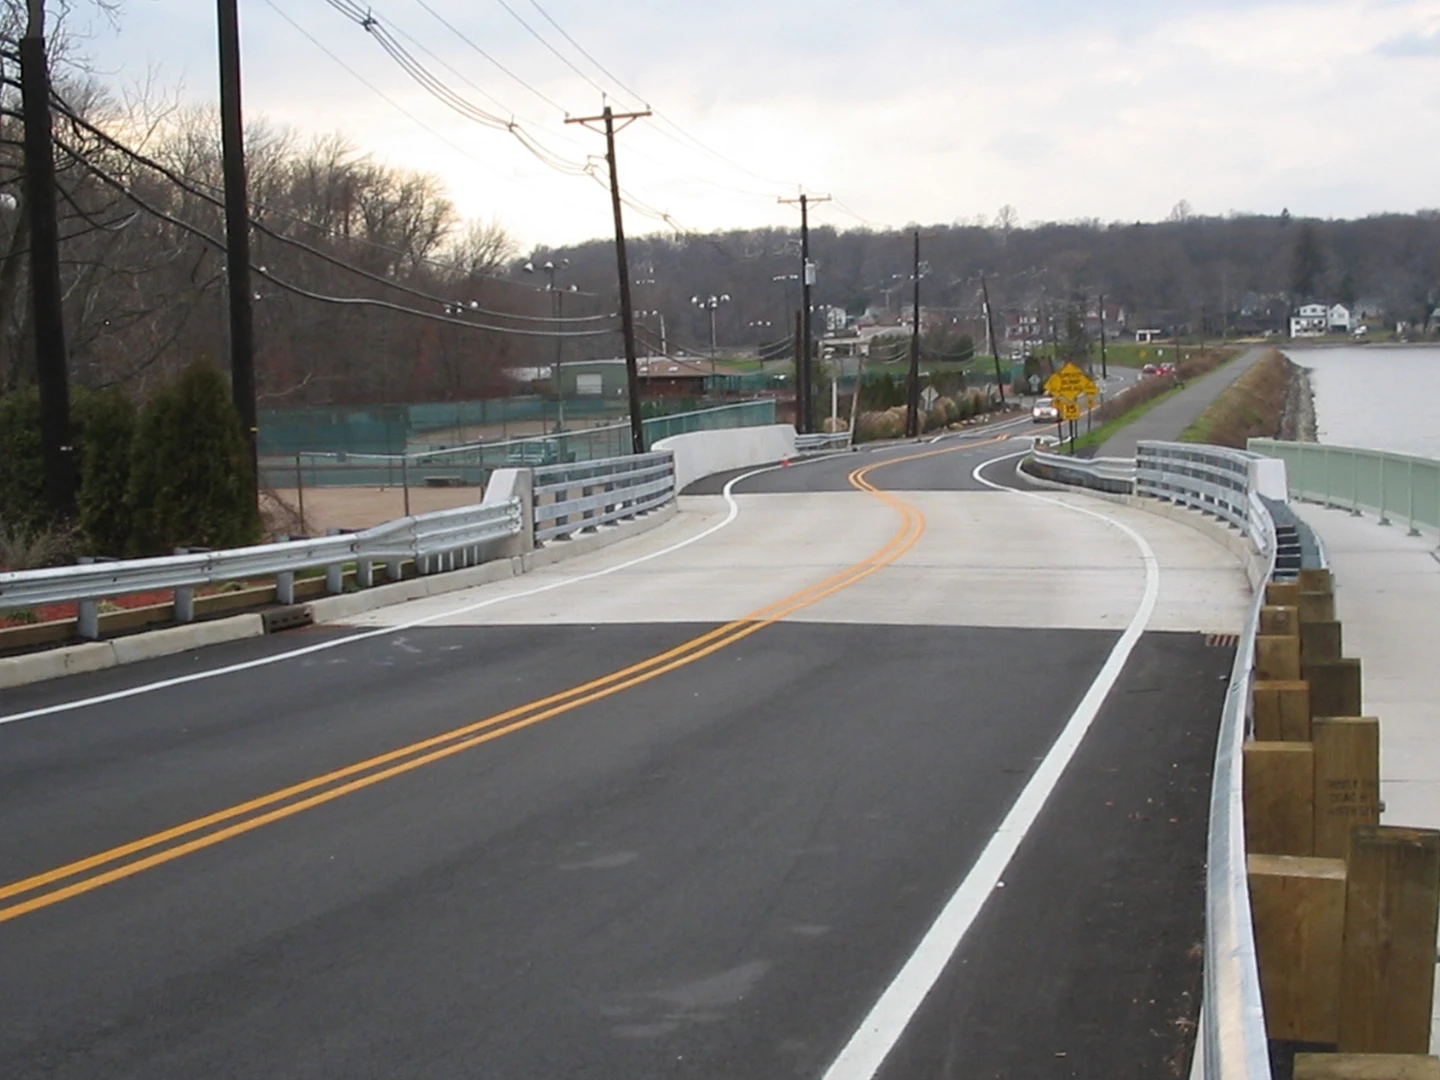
[[445, 303]]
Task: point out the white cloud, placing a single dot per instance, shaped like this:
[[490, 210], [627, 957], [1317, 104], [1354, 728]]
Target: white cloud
[[913, 111]]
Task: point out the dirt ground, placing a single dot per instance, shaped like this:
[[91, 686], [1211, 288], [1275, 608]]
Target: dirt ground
[[358, 508]]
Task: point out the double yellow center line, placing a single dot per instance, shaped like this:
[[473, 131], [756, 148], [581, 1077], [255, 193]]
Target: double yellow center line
[[117, 863]]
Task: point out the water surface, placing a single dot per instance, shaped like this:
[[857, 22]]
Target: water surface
[[1382, 397]]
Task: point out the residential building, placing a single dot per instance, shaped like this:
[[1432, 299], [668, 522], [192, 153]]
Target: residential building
[[1309, 320]]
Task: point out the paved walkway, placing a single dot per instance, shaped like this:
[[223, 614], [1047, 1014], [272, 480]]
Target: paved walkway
[[1387, 596], [1168, 419]]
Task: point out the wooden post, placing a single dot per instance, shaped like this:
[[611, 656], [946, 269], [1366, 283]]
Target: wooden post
[[1366, 1067], [1317, 607], [1320, 641], [1282, 711], [1316, 581], [1283, 594], [1387, 980], [1279, 780], [1279, 621], [1277, 658], [1347, 779], [1334, 687], [1298, 906]]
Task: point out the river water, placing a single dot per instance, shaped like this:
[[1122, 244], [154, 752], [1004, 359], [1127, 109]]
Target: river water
[[1378, 396]]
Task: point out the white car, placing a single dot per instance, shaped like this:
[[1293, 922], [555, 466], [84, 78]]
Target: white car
[[1044, 411]]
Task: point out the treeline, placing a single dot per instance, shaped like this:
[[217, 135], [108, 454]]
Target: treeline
[[145, 291], [1185, 271]]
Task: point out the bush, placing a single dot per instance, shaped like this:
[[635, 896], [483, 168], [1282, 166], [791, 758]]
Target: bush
[[30, 547], [22, 472], [106, 425], [190, 481]]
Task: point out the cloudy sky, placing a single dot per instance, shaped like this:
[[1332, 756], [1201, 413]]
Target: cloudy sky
[[909, 111]]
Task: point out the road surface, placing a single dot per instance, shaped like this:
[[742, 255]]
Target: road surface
[[816, 780]]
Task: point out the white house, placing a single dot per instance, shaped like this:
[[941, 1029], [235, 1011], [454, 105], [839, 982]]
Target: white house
[[1311, 320], [1339, 320]]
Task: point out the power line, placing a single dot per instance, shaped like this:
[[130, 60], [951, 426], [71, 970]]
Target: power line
[[269, 275], [456, 31], [186, 185], [380, 93], [556, 52]]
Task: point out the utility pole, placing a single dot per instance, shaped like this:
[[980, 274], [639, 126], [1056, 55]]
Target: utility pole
[[912, 396], [627, 312], [47, 308], [803, 415], [990, 333], [237, 235], [1104, 367]]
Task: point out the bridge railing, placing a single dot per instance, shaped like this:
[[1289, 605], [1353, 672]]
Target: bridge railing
[[583, 496], [821, 442], [1394, 486]]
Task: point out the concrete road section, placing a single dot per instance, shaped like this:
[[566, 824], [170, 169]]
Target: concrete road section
[[683, 807]]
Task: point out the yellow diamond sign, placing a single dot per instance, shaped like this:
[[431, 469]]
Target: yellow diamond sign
[[1070, 384]]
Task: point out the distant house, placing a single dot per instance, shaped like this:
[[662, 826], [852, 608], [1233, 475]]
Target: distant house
[[1145, 337], [1338, 321], [1310, 320]]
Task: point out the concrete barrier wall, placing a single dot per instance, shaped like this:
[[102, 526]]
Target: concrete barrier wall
[[702, 453]]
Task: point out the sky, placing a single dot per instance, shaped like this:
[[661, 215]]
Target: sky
[[911, 111]]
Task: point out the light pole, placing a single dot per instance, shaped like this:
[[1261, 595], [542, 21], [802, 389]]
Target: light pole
[[557, 310], [709, 304]]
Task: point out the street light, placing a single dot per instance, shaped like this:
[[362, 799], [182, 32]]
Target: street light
[[660, 315], [710, 303], [557, 307]]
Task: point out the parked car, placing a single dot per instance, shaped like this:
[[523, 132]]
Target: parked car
[[1044, 411]]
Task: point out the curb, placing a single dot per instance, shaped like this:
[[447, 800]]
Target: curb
[[99, 655]]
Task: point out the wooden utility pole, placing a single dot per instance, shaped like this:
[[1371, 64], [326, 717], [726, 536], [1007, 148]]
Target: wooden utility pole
[[1104, 368], [622, 262], [237, 234], [46, 296], [990, 330], [804, 414], [912, 396]]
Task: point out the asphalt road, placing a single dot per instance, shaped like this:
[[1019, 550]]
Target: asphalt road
[[468, 847]]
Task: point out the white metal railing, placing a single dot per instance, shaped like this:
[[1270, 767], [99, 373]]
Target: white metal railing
[[1115, 475], [1233, 1043], [443, 540], [583, 496]]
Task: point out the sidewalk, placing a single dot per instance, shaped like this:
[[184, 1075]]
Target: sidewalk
[[1387, 596], [1168, 419]]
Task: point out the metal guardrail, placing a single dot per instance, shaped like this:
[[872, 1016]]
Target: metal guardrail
[[447, 539], [1213, 479], [822, 442], [583, 496], [1233, 1040], [1113, 475], [1399, 486]]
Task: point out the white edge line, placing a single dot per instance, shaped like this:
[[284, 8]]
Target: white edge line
[[887, 1020], [464, 609]]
